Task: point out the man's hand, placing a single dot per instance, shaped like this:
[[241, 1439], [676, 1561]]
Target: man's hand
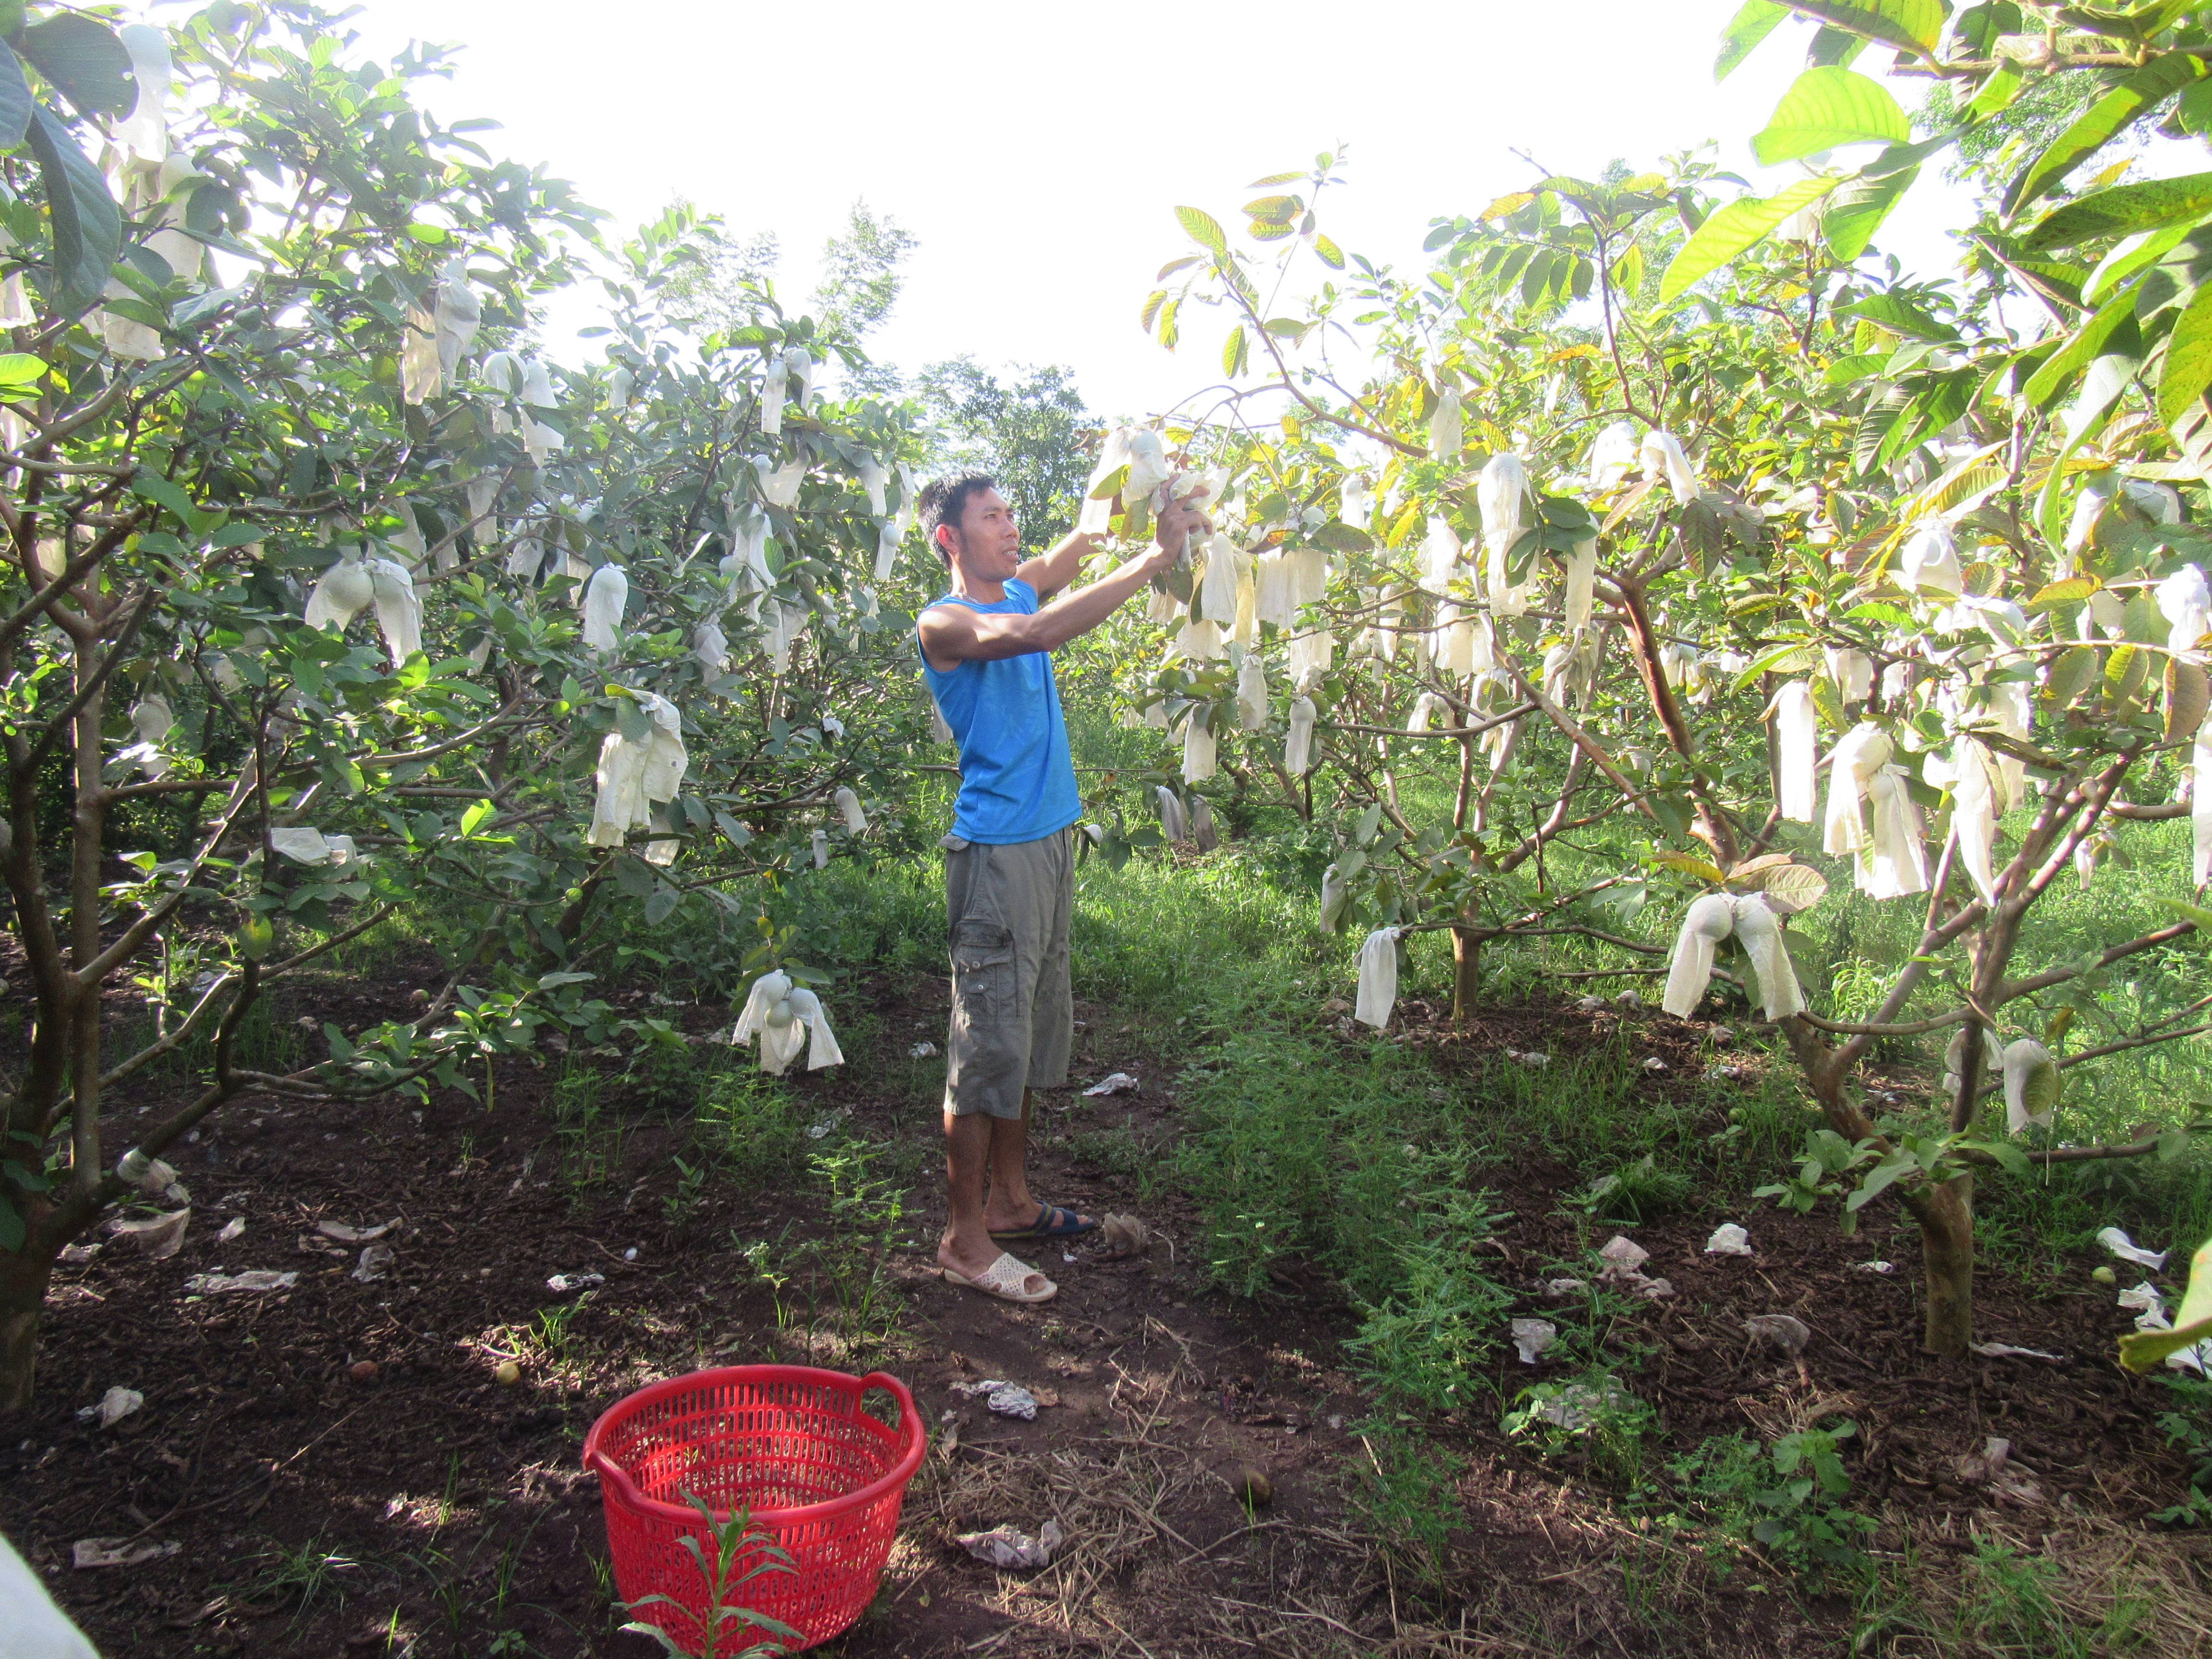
[[1178, 522]]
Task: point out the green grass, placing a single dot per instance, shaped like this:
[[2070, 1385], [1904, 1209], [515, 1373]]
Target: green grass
[[1308, 1157]]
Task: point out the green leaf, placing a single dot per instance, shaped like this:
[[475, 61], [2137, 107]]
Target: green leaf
[[2125, 669], [19, 372], [2130, 255], [2188, 912], [1690, 865], [1856, 209], [2188, 698], [1997, 93], [15, 100], [2123, 210], [84, 60], [1828, 106], [1236, 352], [2152, 84], [159, 491], [1856, 367], [1735, 229], [1745, 31], [1881, 417], [1914, 24], [1789, 888], [1876, 1179], [2072, 590], [1339, 537], [1899, 157], [2195, 110], [2086, 345], [1203, 227], [2188, 368], [2075, 672], [1835, 45], [1901, 316], [1793, 657], [88, 226], [1327, 252], [2013, 1160]]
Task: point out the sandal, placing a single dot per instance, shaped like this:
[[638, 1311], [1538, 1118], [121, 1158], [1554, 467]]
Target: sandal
[[1050, 1223], [1003, 1278]]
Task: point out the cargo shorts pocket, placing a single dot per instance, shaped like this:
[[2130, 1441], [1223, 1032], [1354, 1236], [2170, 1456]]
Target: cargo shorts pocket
[[984, 993]]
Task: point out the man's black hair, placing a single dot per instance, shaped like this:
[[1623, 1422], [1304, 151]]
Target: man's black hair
[[943, 501]]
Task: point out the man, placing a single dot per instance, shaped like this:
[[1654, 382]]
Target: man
[[1009, 860]]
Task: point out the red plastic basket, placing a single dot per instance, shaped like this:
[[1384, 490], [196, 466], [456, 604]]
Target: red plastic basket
[[823, 1479]]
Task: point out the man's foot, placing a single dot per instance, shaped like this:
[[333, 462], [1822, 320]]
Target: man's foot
[[1046, 1222], [977, 1268], [1007, 1280]]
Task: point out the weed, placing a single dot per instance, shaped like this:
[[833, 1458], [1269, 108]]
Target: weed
[[449, 1500], [732, 1555], [307, 1576], [749, 1120], [2012, 1608], [1592, 1415], [1426, 1340], [1116, 1153], [1810, 1525], [761, 1256], [591, 1151], [1412, 1502], [1295, 1153], [1635, 1193], [448, 1590], [2189, 1428], [550, 1335], [678, 1208], [671, 1075], [1603, 1323], [866, 1209], [1787, 1497]]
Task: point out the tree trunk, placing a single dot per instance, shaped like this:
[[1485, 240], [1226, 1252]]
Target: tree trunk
[[1947, 1250], [22, 1293], [1466, 970]]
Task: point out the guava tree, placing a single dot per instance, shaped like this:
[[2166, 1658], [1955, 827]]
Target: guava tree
[[330, 597], [1713, 555]]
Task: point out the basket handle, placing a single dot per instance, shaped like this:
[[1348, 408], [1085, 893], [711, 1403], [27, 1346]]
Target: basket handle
[[909, 1416], [609, 1471]]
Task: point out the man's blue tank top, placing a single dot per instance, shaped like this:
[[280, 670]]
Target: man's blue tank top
[[1017, 777]]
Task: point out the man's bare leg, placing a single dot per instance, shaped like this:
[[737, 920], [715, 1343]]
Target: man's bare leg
[[966, 1248], [1009, 1206], [973, 1143]]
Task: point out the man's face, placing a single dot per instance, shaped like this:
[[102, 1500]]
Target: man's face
[[989, 542]]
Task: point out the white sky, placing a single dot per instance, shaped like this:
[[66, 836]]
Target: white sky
[[1038, 151]]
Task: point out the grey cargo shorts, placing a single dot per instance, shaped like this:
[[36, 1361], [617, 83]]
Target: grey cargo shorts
[[1013, 1016]]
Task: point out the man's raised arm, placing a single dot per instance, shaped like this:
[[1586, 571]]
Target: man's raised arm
[[953, 633], [1050, 573]]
